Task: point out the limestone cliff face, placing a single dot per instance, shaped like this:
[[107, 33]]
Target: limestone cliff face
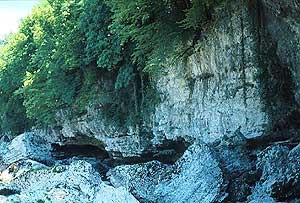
[[217, 90], [242, 76], [228, 124]]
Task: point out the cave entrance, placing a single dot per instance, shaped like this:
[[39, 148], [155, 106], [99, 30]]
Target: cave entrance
[[74, 150]]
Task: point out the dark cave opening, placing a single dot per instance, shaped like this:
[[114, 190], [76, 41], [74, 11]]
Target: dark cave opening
[[168, 153], [74, 150]]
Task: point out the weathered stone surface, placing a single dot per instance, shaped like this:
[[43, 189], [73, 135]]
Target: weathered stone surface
[[78, 182], [195, 177], [217, 90], [7, 190], [233, 155], [18, 168], [119, 141], [141, 179], [27, 146], [280, 180], [109, 194], [236, 163], [213, 93]]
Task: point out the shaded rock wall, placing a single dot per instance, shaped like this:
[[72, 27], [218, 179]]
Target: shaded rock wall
[[282, 22]]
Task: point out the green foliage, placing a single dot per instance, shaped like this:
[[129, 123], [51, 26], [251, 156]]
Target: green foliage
[[101, 46], [70, 54], [199, 13], [125, 76], [150, 26], [14, 57], [2, 43], [196, 14]]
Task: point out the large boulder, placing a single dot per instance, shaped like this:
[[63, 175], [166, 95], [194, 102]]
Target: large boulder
[[27, 146], [195, 177], [141, 179]]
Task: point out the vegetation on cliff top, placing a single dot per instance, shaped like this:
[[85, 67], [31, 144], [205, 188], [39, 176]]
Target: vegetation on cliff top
[[68, 53]]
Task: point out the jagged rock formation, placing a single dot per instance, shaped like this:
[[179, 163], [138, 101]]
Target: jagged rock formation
[[77, 182], [195, 177], [226, 129]]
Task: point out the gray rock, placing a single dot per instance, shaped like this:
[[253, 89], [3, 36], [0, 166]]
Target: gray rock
[[195, 177], [79, 183], [28, 146], [7, 190], [140, 179], [280, 179], [117, 140], [207, 108], [224, 86], [18, 168]]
